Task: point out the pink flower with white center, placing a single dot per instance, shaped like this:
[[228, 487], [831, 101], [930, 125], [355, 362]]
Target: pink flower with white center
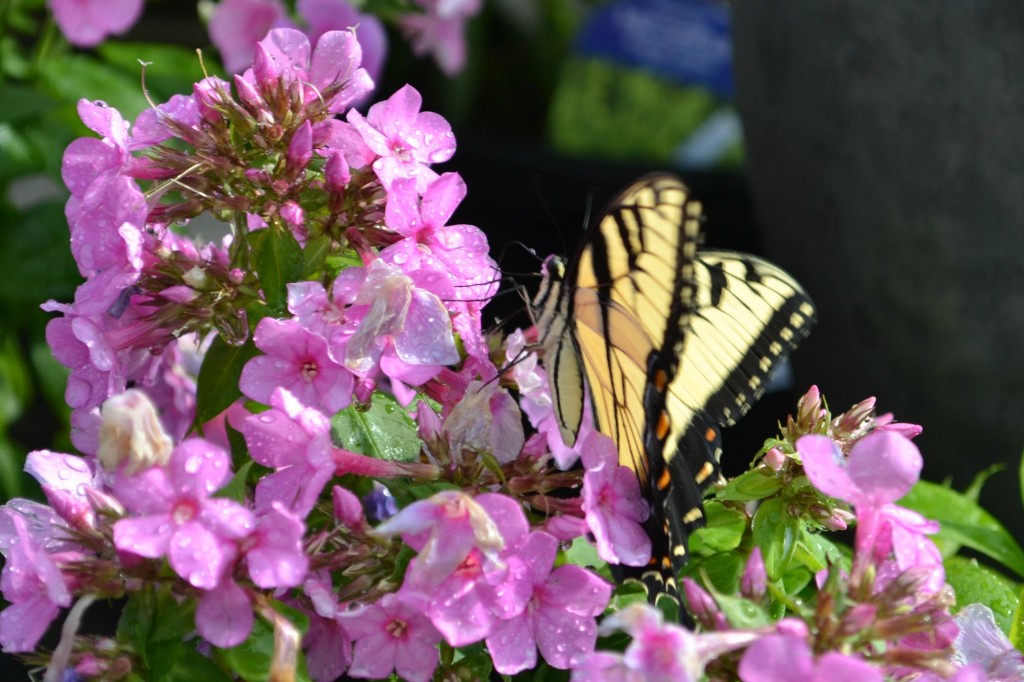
[[444, 528], [659, 652], [32, 583], [172, 514], [487, 419], [463, 249], [297, 360], [784, 658], [440, 31], [237, 25], [881, 468], [559, 615], [396, 327], [614, 506], [296, 441], [405, 139], [390, 636], [86, 23]]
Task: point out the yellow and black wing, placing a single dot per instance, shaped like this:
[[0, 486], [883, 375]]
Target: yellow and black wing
[[671, 343]]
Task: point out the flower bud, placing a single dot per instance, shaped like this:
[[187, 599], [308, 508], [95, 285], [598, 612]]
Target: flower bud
[[754, 581], [130, 431]]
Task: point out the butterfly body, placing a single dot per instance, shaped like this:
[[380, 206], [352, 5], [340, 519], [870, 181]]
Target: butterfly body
[[670, 343]]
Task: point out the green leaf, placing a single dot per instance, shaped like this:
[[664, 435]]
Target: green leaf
[[776, 533], [583, 553], [1017, 624], [74, 76], [815, 551], [12, 461], [974, 582], [170, 69], [964, 523], [156, 624], [754, 484], [217, 386], [236, 488], [722, 570], [383, 431], [1020, 476], [314, 255], [723, 532], [278, 261], [36, 260]]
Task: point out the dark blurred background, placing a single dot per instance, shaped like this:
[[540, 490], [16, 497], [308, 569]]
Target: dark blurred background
[[882, 164]]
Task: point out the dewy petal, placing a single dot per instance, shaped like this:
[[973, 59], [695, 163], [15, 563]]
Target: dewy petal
[[826, 467], [289, 49], [199, 468], [426, 337], [336, 57], [198, 556], [777, 659], [277, 559], [885, 464], [274, 440], [148, 536], [837, 667], [441, 199], [22, 625], [512, 646], [224, 615]]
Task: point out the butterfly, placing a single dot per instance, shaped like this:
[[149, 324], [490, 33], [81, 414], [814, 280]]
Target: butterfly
[[671, 342]]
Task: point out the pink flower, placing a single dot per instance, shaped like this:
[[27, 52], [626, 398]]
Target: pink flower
[[274, 551], [466, 605], [462, 249], [613, 504], [558, 617], [405, 139], [85, 23], [297, 360], [32, 584], [224, 615], [65, 479], [296, 441], [390, 636], [396, 327], [237, 25], [487, 419], [440, 31], [444, 528], [659, 652], [881, 468], [335, 15], [173, 514], [783, 658], [332, 73], [982, 643]]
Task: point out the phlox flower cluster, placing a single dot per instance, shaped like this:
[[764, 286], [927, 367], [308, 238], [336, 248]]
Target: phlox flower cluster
[[339, 286]]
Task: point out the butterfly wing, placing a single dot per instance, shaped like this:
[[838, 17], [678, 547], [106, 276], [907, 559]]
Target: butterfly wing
[[672, 345]]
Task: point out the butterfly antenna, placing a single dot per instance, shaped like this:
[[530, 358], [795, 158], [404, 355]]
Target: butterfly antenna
[[551, 216]]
